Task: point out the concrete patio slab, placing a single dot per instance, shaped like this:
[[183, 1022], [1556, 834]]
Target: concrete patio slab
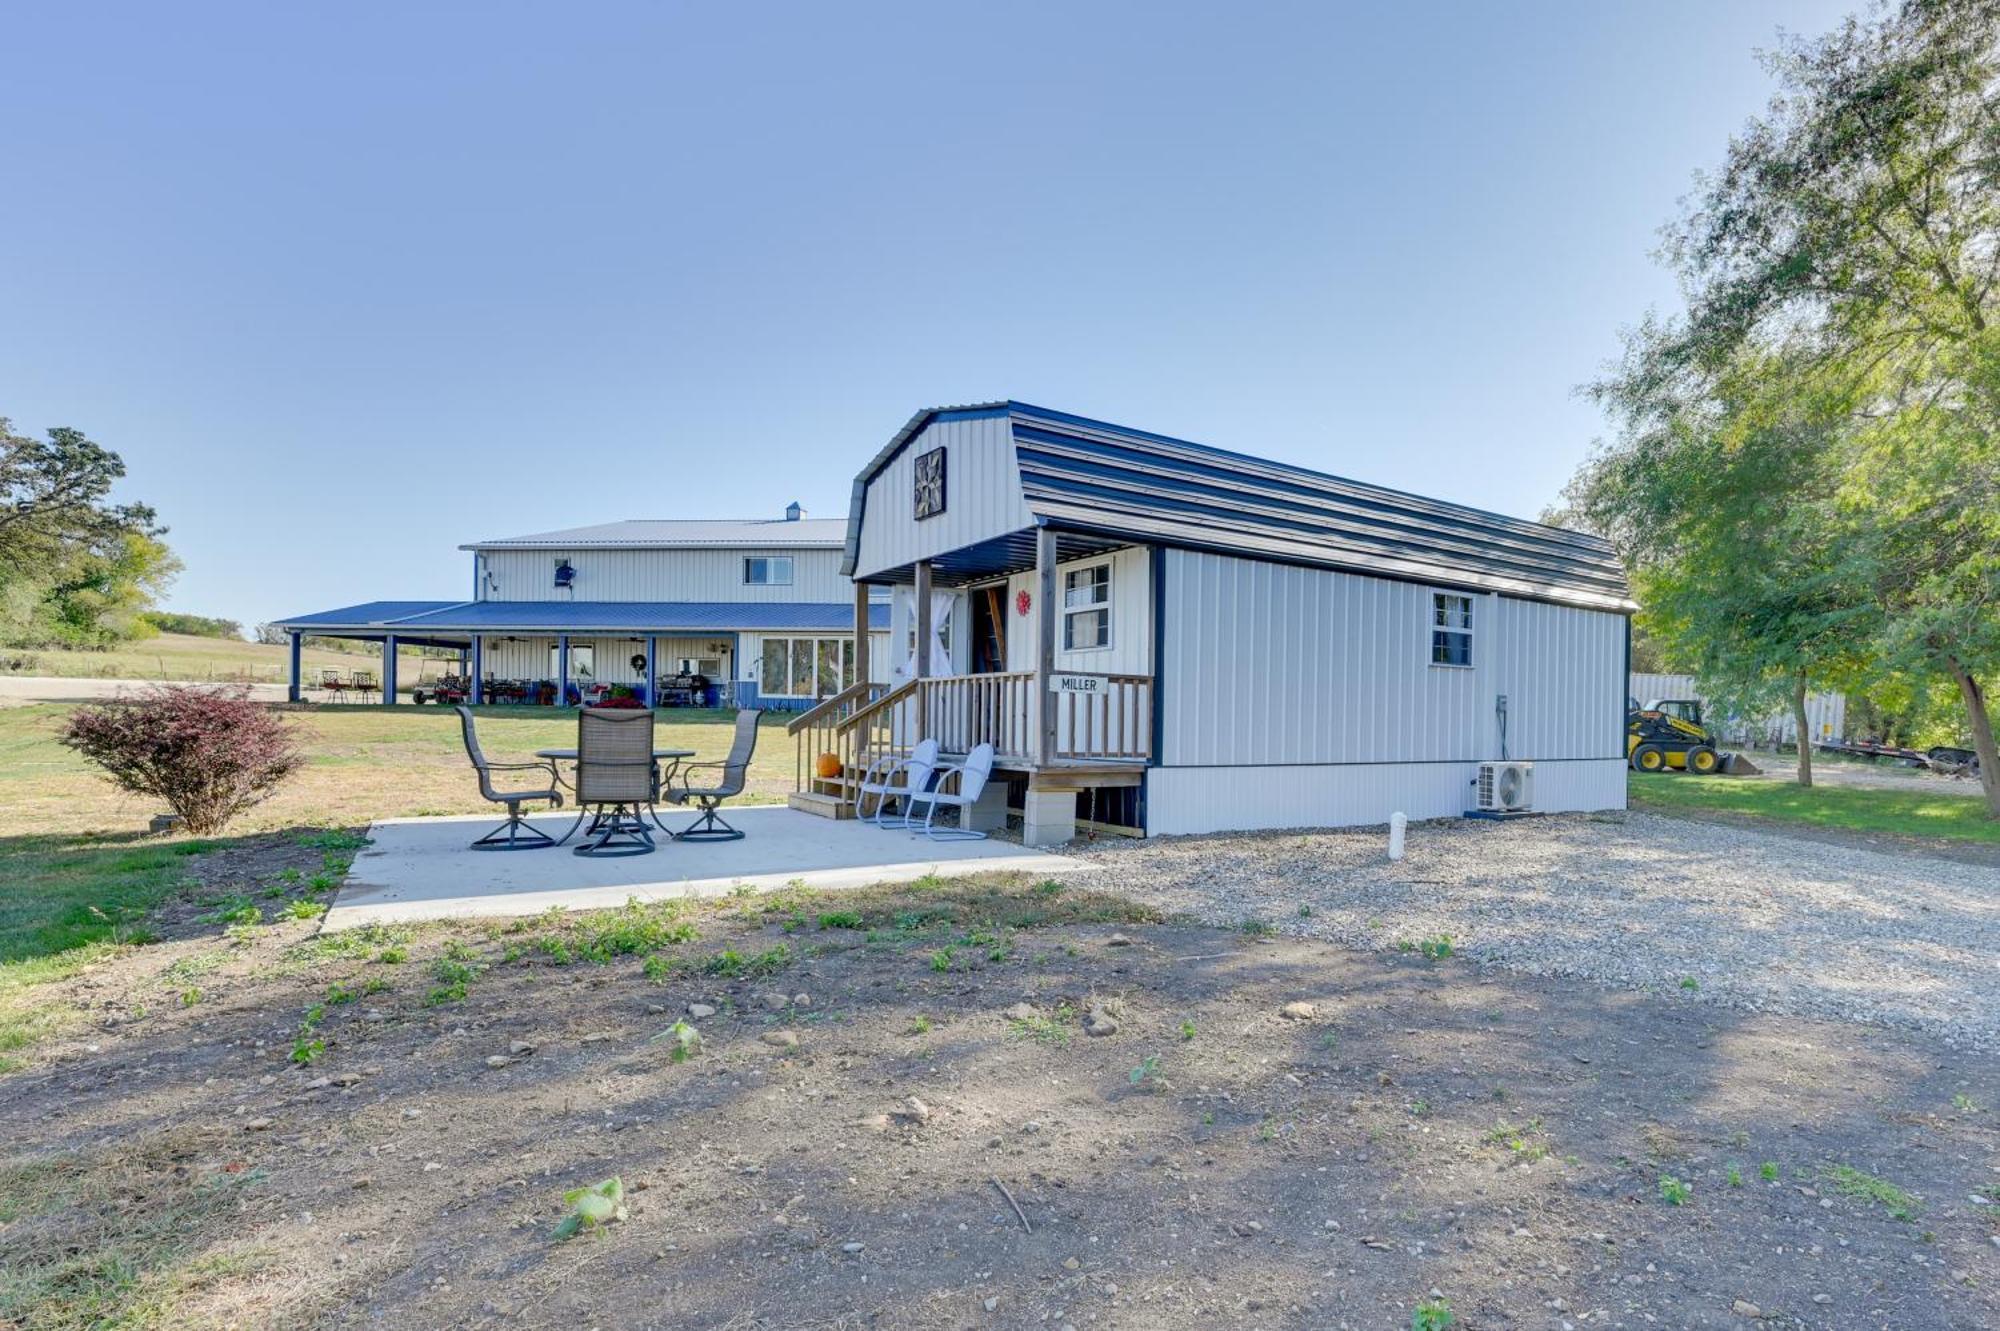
[[421, 868]]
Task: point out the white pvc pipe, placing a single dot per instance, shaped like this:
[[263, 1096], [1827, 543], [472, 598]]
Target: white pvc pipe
[[1397, 822]]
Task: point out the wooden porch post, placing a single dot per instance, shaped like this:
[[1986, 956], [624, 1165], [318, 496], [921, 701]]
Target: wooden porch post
[[1045, 644], [923, 618], [923, 646], [860, 634]]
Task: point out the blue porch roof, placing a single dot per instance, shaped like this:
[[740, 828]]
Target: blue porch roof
[[375, 618]]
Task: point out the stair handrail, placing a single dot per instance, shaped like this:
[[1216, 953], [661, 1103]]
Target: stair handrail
[[826, 705], [896, 694]]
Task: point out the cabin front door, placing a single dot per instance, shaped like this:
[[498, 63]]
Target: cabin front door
[[989, 629]]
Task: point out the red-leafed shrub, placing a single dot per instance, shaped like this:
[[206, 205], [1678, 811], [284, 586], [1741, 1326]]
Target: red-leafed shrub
[[209, 753]]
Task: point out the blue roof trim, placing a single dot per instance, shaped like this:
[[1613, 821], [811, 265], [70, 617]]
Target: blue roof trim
[[591, 616]]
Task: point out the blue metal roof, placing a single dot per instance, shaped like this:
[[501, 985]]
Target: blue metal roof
[[589, 616], [1095, 479]]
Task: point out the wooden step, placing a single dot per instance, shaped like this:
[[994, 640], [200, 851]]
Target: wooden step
[[824, 806]]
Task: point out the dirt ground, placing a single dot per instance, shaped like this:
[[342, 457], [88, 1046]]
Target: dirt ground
[[888, 1075]]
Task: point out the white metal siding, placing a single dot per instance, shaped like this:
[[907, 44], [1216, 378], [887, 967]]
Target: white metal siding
[[1826, 713], [1131, 649], [660, 575], [1563, 671], [1268, 664], [982, 497], [1186, 800], [528, 657]]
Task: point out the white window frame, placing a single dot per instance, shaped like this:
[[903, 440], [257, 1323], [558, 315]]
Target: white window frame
[[1068, 610], [771, 564], [818, 641], [582, 661], [1436, 623]]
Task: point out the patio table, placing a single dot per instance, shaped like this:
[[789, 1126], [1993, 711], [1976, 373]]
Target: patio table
[[671, 757]]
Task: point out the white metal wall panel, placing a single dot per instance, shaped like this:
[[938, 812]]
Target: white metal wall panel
[[1562, 670], [1826, 713], [1189, 800], [660, 575], [528, 658], [1271, 664], [1131, 649], [982, 497]]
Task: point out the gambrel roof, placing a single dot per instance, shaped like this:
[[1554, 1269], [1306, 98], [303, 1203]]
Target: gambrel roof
[[1113, 483]]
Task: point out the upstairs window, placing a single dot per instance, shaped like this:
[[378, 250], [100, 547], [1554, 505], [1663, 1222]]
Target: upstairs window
[[1086, 608], [1451, 630], [767, 571]]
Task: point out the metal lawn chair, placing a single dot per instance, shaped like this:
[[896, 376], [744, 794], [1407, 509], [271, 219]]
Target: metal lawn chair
[[970, 778], [898, 778], [515, 833], [364, 683], [331, 684], [734, 772], [616, 776]]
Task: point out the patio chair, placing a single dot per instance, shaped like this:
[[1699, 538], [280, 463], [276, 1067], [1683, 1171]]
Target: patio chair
[[515, 833], [970, 777], [880, 779], [735, 769], [331, 684], [615, 776], [364, 683]]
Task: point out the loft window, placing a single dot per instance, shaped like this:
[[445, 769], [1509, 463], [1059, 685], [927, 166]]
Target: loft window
[[767, 571], [565, 573], [1086, 608], [1451, 630]]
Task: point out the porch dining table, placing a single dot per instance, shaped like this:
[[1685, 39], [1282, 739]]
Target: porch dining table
[[672, 757]]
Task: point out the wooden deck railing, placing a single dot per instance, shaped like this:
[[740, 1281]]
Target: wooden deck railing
[[1116, 724], [868, 722]]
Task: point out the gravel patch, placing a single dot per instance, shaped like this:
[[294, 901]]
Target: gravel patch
[[1707, 912]]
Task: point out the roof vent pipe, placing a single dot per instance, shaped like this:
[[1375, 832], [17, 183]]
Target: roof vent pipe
[[793, 512]]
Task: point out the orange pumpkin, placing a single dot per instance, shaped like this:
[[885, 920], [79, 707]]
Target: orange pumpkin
[[827, 766]]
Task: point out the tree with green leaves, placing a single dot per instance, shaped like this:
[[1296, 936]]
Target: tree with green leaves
[[1720, 495], [75, 567], [1850, 243]]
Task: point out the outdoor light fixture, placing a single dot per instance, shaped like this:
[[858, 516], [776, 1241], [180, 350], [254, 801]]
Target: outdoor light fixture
[[565, 573]]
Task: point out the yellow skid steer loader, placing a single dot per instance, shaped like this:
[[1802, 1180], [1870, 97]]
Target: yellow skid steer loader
[[1668, 736]]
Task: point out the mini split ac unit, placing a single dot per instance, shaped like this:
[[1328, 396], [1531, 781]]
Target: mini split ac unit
[[1506, 787]]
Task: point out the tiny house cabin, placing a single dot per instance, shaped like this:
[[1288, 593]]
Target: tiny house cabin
[[1163, 637]]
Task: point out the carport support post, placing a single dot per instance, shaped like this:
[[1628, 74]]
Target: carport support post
[[478, 671], [652, 668], [295, 695], [389, 670], [562, 670]]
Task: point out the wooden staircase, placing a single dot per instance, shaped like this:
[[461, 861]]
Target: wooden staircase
[[855, 727]]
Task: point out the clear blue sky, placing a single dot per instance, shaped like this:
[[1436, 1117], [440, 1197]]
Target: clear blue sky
[[350, 284]]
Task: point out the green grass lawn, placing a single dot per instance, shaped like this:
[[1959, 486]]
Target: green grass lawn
[[362, 762], [1867, 809], [79, 874], [180, 656]]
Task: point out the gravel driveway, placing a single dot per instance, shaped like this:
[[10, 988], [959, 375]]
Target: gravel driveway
[[1711, 913]]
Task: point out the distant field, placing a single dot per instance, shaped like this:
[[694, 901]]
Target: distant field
[[176, 656], [362, 762]]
